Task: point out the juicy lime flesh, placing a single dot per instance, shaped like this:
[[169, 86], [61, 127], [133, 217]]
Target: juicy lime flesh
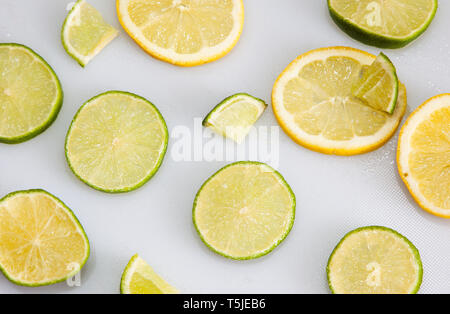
[[378, 85], [321, 101], [39, 240], [374, 261], [28, 92], [429, 160], [116, 141], [139, 284], [88, 30], [185, 26], [244, 210], [391, 18]]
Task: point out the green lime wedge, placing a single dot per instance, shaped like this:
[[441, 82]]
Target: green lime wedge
[[30, 94], [378, 86], [386, 23], [374, 260], [41, 240], [244, 211], [116, 142], [85, 33], [234, 116], [139, 278]]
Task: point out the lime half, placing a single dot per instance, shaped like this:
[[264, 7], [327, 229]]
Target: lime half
[[139, 278], [374, 260], [386, 23], [85, 33], [244, 210], [116, 142], [41, 240], [30, 94], [378, 86], [235, 115]]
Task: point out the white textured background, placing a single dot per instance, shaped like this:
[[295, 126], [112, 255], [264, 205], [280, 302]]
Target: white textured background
[[335, 194]]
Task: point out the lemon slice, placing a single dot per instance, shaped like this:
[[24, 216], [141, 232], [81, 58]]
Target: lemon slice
[[85, 33], [116, 142], [139, 278], [41, 241], [386, 23], [30, 94], [234, 116], [378, 86], [374, 260], [244, 211], [424, 155], [313, 102], [183, 32]]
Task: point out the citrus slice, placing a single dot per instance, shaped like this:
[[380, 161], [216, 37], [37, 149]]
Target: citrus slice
[[424, 155], [183, 32], [313, 102], [116, 142], [41, 240], [139, 278], [244, 210], [374, 260], [386, 23], [234, 116], [30, 94], [378, 85], [85, 33]]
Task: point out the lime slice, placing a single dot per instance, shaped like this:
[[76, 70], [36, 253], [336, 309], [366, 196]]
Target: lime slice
[[85, 33], [41, 240], [30, 94], [378, 86], [244, 211], [374, 260], [384, 24], [234, 116], [116, 142], [139, 278]]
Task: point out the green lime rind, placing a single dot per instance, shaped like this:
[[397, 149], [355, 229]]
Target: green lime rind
[[125, 273], [158, 164], [75, 219], [393, 71], [282, 238], [224, 102], [410, 244], [80, 62], [373, 39], [56, 106]]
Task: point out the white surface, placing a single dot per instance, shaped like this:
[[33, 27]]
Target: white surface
[[334, 194]]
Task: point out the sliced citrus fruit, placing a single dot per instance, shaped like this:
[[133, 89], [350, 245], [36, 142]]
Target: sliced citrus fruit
[[139, 278], [386, 23], [85, 33], [234, 116], [374, 260], [313, 102], [30, 94], [41, 240], [244, 210], [183, 32], [378, 85], [116, 142], [424, 155]]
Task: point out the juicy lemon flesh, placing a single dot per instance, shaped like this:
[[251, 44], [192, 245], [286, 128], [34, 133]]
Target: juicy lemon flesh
[[429, 160], [394, 18], [184, 26], [374, 262], [244, 210], [39, 240], [28, 92], [115, 141], [378, 85], [88, 30], [320, 100]]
